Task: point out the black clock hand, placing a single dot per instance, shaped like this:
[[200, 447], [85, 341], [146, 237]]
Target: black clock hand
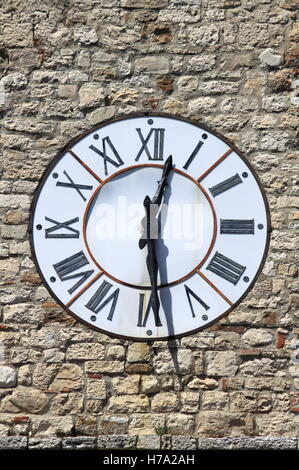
[[152, 266], [156, 202], [151, 209], [157, 199]]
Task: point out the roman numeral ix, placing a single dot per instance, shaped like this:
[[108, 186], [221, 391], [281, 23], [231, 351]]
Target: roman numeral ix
[[190, 293], [66, 267], [97, 302], [71, 232], [103, 153], [158, 144], [236, 226], [226, 268], [73, 185], [225, 185]]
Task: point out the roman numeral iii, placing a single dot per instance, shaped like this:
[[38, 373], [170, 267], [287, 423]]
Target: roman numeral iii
[[98, 301], [237, 226], [158, 135], [66, 267], [226, 268]]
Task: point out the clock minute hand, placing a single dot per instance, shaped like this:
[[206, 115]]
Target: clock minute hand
[[157, 199]]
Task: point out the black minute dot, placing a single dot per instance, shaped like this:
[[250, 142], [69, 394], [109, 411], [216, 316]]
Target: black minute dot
[[39, 227], [149, 332], [246, 279], [244, 174], [204, 136], [150, 122], [55, 175], [205, 317], [93, 318], [260, 226], [52, 279], [96, 136]]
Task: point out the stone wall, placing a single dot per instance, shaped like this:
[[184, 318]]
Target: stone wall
[[66, 65]]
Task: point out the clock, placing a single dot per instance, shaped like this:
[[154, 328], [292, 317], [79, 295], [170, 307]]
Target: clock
[[149, 227]]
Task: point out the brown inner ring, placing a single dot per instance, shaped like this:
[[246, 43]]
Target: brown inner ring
[[144, 165]]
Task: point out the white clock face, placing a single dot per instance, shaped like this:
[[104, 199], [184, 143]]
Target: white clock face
[[210, 239]]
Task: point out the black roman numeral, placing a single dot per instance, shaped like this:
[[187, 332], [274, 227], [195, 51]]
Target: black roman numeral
[[226, 268], [158, 144], [72, 232], [225, 185], [73, 185], [189, 292], [237, 226], [103, 154], [97, 302], [143, 321], [193, 155], [67, 266]]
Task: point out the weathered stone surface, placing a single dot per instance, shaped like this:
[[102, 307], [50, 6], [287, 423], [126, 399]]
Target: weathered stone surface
[[52, 426], [165, 401], [138, 352], [148, 442], [85, 351], [269, 58], [26, 400], [36, 443], [220, 424], [179, 362], [128, 403], [179, 423], [126, 386], [257, 337], [277, 425], [222, 363], [85, 35], [149, 384], [78, 443], [13, 443], [183, 442], [146, 423], [144, 3], [116, 442], [90, 95], [247, 443], [69, 377], [152, 64], [8, 377]]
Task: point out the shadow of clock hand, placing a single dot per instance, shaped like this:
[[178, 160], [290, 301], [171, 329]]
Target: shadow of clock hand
[[165, 292]]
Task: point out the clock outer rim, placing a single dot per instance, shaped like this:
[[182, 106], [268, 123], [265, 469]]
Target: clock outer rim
[[123, 117]]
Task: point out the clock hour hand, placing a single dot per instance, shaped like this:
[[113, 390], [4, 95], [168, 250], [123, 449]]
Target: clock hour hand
[[151, 263]]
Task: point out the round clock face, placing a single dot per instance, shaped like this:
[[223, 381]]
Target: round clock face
[[149, 227]]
